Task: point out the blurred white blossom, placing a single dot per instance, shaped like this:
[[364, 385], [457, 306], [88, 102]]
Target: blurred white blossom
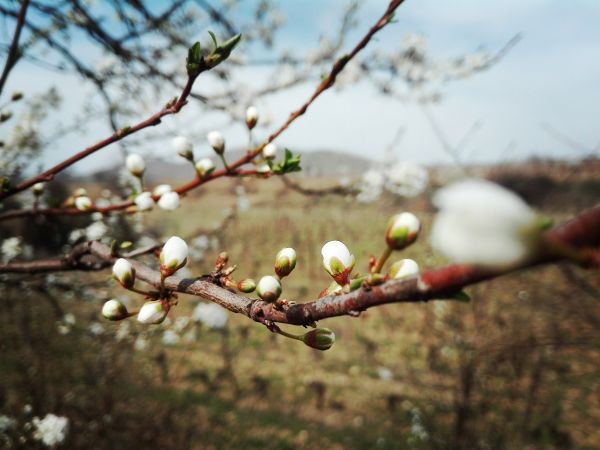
[[480, 222], [170, 337], [11, 248], [96, 231], [51, 430], [210, 315]]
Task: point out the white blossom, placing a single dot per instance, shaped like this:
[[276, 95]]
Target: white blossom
[[337, 259], [184, 147], [169, 201], [96, 328], [480, 222], [152, 312], [404, 268], [6, 423], [285, 261], [406, 179], [114, 310], [169, 337], [161, 189], [268, 288], [11, 248], [204, 167], [269, 151], [140, 344], [124, 272], [144, 201], [83, 203], [216, 141], [135, 164], [51, 430], [96, 231], [402, 230], [251, 116], [38, 188], [384, 373], [123, 330], [371, 186], [210, 315], [174, 253], [263, 168]]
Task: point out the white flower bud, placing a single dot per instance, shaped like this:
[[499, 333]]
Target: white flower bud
[[80, 192], [38, 188], [483, 223], [268, 288], [285, 261], [83, 203], [161, 189], [205, 167], [124, 272], [152, 312], [184, 147], [173, 255], [216, 141], [114, 310], [144, 201], [135, 164], [404, 268], [269, 151], [251, 117], [338, 261], [402, 230], [169, 201], [263, 168]]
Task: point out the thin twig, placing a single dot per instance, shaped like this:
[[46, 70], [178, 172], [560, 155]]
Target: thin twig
[[13, 55]]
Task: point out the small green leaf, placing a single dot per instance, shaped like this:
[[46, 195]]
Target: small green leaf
[[290, 163], [126, 244], [214, 39]]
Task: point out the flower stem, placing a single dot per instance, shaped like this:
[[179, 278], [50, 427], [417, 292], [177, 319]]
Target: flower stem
[[289, 335], [224, 162], [382, 259]]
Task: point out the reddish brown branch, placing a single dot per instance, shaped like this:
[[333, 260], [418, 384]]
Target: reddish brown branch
[[582, 233], [234, 168], [13, 52]]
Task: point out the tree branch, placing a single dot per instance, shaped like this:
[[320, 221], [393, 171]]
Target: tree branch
[[13, 52], [232, 170], [581, 233]]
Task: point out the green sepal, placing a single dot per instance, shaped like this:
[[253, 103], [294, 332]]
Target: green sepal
[[336, 266]]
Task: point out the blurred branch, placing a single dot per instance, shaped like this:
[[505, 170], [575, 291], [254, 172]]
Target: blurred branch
[[581, 233], [318, 192], [170, 108], [13, 52], [233, 169]]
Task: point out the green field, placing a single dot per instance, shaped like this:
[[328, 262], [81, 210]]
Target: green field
[[517, 367]]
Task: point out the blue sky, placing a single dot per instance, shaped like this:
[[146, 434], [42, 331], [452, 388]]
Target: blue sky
[[551, 77]]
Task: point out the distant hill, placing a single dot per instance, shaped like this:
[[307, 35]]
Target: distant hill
[[316, 163]]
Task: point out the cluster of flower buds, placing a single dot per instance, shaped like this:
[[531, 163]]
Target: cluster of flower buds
[[173, 257], [402, 230], [269, 287]]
